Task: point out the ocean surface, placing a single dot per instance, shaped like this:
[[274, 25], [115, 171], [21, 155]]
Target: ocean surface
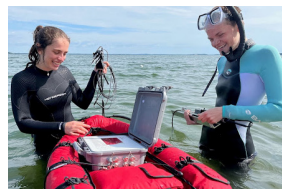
[[188, 75]]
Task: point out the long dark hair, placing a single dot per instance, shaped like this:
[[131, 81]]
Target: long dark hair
[[43, 36]]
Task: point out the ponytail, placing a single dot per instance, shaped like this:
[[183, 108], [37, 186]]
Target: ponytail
[[33, 54]]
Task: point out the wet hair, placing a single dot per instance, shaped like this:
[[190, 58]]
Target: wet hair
[[43, 36], [230, 20]]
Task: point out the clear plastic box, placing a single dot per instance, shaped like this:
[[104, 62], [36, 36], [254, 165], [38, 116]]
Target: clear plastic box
[[112, 151]]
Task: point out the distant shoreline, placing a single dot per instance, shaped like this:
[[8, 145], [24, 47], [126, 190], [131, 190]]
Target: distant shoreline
[[126, 54], [117, 54]]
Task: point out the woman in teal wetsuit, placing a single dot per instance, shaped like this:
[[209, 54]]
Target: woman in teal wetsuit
[[244, 79]]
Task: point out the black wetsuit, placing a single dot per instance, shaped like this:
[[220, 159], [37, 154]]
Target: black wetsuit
[[41, 103], [224, 142]]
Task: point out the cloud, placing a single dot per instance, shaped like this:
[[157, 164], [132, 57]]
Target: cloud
[[133, 29], [263, 17]]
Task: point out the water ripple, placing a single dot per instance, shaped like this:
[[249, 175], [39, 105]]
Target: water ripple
[[188, 75]]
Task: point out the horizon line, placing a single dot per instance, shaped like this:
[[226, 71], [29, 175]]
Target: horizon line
[[124, 53]]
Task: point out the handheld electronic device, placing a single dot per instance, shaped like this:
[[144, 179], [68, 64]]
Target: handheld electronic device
[[194, 117]]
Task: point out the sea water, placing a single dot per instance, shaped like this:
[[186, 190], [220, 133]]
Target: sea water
[[188, 75]]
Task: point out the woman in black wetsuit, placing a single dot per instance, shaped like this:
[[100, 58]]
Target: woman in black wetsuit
[[42, 93]]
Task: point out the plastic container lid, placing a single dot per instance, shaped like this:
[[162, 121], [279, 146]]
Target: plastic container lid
[[108, 144], [147, 116]]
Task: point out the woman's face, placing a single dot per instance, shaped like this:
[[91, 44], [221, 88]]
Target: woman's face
[[223, 36], [53, 55]]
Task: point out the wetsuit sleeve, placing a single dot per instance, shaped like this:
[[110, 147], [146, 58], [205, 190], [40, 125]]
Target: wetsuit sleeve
[[21, 110], [83, 99], [271, 73]]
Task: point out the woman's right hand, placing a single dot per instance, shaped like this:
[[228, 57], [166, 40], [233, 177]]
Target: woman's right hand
[[76, 128], [187, 118]]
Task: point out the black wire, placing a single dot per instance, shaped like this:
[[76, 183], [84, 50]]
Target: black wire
[[119, 116], [225, 120], [172, 122], [101, 83], [101, 90], [209, 83], [98, 57], [64, 162]]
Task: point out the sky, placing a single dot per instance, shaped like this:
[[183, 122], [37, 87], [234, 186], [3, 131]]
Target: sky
[[136, 29]]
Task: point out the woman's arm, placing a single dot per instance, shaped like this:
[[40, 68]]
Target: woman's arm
[[83, 99], [21, 110], [271, 74]]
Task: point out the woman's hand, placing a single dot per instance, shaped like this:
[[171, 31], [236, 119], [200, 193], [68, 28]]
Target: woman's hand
[[76, 128], [211, 116], [187, 118], [105, 68]]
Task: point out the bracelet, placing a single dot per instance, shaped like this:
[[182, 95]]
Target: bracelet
[[60, 126]]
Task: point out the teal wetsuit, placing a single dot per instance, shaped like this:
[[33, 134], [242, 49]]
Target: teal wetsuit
[[260, 73], [241, 87]]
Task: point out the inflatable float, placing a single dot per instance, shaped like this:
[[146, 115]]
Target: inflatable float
[[118, 155], [165, 166]]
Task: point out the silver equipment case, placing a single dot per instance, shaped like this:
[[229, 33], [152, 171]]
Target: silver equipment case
[[106, 152]]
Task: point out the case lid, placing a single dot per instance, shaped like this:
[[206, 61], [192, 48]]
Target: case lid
[[147, 115], [109, 144]]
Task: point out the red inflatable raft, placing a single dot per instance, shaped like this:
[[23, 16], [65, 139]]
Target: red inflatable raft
[[166, 166]]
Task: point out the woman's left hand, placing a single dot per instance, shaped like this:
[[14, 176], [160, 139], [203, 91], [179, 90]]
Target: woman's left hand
[[105, 68], [211, 116]]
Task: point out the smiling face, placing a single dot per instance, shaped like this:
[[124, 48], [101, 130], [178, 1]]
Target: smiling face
[[53, 55], [223, 36]]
